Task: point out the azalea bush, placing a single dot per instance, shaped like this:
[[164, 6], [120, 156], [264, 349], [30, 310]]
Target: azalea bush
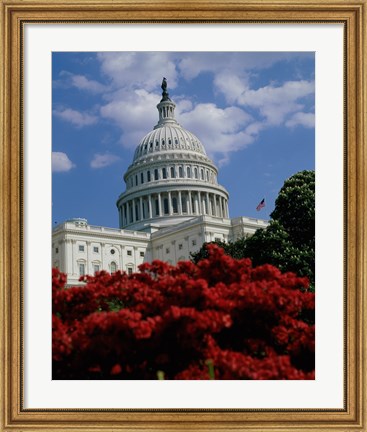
[[220, 318]]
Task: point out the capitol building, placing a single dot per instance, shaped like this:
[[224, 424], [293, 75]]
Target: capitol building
[[171, 205]]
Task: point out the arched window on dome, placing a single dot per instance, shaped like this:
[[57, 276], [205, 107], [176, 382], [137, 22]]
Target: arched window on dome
[[202, 174], [207, 175], [156, 174], [172, 170], [156, 144], [142, 177], [151, 146], [196, 173], [180, 171], [188, 172], [174, 205], [136, 180], [164, 173], [148, 176]]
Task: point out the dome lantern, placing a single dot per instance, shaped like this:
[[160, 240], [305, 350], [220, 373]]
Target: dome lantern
[[166, 108]]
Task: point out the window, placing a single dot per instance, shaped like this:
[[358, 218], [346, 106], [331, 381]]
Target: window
[[165, 206], [136, 180], [129, 270], [180, 246], [81, 269], [142, 177], [180, 171], [81, 248], [96, 268], [113, 251], [217, 239], [207, 176], [156, 207], [173, 175], [196, 172], [113, 267], [57, 250], [174, 205], [130, 252], [188, 172], [167, 250], [183, 205], [202, 174], [156, 174], [95, 249], [193, 242], [164, 173], [148, 176], [142, 254]]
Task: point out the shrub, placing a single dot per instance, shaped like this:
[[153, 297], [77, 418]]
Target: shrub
[[184, 321]]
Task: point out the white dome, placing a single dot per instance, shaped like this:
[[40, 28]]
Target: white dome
[[168, 138], [171, 178]]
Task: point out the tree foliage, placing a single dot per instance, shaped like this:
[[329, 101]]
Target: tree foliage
[[289, 240]]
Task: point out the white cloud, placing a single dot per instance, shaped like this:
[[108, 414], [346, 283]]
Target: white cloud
[[139, 69], [275, 104], [103, 160], [61, 162], [301, 119], [81, 82], [221, 131], [134, 112], [77, 118], [192, 64]]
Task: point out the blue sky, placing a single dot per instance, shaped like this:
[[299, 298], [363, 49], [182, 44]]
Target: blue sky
[[254, 113]]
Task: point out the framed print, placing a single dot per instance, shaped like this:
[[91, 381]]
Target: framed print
[[126, 127]]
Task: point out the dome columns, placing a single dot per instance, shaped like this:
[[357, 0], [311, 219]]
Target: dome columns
[[171, 204]]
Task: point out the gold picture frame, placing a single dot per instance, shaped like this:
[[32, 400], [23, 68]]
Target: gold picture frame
[[14, 15]]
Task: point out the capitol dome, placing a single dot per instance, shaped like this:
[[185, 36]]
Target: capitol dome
[[171, 178]]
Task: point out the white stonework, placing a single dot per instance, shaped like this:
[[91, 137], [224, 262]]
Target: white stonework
[[171, 206]]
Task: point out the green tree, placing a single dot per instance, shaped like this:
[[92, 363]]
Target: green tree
[[288, 242]]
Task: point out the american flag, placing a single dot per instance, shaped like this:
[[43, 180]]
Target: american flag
[[261, 205]]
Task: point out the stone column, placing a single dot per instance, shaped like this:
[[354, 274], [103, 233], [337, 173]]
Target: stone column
[[160, 204], [169, 204], [179, 207], [64, 263], [73, 253], [200, 204], [150, 205], [102, 257], [87, 267], [197, 210], [141, 208], [189, 202], [208, 204]]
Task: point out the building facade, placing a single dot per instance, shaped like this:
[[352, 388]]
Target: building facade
[[171, 205]]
